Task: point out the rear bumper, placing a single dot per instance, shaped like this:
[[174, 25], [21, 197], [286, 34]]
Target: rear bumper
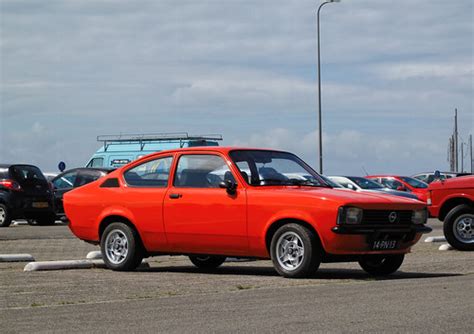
[[374, 229]]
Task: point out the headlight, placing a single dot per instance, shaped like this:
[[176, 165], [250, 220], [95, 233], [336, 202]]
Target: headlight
[[349, 215], [419, 216]]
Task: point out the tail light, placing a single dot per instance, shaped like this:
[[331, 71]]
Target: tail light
[[10, 184], [428, 200]]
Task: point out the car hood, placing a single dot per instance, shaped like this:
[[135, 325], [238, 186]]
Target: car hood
[[394, 192], [369, 200], [459, 182]]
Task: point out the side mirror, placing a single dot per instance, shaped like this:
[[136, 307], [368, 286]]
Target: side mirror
[[230, 186], [401, 188], [351, 187]]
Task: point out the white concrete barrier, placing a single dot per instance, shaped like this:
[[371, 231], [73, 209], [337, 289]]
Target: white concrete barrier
[[445, 247], [95, 255], [16, 258], [71, 264], [59, 265], [435, 239]]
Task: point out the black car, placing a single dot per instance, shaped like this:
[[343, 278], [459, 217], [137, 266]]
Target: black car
[[71, 179], [25, 194]]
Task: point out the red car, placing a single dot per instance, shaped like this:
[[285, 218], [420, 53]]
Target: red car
[[210, 203], [403, 183], [452, 201]]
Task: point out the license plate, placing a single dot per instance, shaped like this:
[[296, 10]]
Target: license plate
[[384, 244], [40, 205]]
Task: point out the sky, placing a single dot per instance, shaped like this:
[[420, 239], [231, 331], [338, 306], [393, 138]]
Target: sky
[[392, 74]]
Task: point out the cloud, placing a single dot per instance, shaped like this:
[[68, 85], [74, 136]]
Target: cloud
[[392, 72]]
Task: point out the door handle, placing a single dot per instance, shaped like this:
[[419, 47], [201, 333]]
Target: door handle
[[175, 196]]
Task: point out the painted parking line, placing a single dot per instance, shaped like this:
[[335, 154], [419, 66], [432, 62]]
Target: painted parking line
[[16, 258]]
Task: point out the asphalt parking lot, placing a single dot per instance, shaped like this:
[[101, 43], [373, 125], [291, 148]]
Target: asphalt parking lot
[[433, 292]]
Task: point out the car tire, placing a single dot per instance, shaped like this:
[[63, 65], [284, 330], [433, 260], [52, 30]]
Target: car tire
[[121, 247], [295, 251], [5, 219], [459, 227], [381, 265], [207, 262]]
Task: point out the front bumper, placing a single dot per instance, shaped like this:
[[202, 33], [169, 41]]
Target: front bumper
[[379, 229]]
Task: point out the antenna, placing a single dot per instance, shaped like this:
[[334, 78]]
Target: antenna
[[366, 174]]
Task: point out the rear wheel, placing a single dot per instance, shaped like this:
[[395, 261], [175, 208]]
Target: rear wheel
[[459, 227], [207, 262], [121, 247], [5, 219], [380, 265], [295, 251]]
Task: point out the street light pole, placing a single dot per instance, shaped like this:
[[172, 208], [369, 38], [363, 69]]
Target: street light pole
[[319, 90]]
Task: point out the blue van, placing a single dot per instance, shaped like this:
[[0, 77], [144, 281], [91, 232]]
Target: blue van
[[119, 150]]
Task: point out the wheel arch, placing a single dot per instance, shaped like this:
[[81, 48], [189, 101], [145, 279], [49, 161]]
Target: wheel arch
[[451, 204], [106, 221], [283, 221]]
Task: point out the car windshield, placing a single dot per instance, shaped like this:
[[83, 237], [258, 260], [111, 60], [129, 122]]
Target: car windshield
[[331, 182], [366, 183], [266, 168], [414, 182]]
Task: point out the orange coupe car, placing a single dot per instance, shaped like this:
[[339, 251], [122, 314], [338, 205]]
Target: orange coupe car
[[212, 203]]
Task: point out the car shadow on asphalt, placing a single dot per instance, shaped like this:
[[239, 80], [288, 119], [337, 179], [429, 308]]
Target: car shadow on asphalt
[[327, 274]]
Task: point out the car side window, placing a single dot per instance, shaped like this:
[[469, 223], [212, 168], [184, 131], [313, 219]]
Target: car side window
[[153, 173], [96, 162], [201, 171], [87, 176], [391, 183], [65, 181]]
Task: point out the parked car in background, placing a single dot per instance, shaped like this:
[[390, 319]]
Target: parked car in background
[[213, 203], [71, 179], [49, 175], [403, 183], [433, 176], [25, 194], [359, 183], [452, 201], [119, 150]]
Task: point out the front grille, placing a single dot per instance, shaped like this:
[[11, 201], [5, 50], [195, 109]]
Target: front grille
[[374, 217]]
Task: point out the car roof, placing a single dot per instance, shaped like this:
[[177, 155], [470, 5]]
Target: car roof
[[386, 175], [9, 165], [221, 149]]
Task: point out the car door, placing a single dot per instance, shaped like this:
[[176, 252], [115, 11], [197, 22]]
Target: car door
[[62, 184], [200, 216], [146, 187]]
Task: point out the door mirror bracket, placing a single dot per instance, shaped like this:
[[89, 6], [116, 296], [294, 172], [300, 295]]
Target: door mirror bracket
[[230, 186]]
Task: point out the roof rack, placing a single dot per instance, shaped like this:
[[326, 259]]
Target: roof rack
[[147, 138]]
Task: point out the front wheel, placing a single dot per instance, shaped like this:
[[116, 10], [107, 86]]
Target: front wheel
[[5, 219], [381, 265], [295, 251], [121, 247], [459, 227], [207, 262]]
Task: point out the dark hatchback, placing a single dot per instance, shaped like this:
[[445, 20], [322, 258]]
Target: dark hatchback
[[71, 179], [25, 194]]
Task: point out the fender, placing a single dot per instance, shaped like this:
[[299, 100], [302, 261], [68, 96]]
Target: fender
[[115, 210], [293, 215]]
